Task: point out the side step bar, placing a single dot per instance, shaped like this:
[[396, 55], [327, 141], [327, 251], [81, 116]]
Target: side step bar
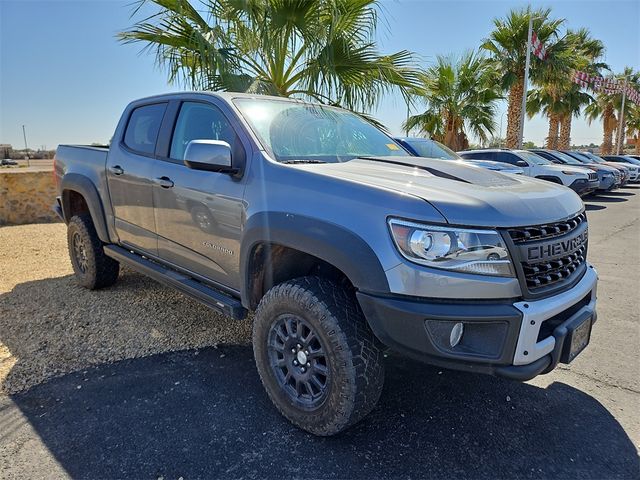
[[212, 298]]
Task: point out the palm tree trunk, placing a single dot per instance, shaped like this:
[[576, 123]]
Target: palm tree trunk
[[609, 124], [565, 133], [513, 112], [552, 138], [637, 144]]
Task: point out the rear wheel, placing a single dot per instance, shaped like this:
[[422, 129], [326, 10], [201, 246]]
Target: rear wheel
[[93, 269], [318, 359]]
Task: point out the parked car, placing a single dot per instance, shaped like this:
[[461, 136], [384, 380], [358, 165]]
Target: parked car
[[7, 162], [606, 175], [582, 157], [631, 163], [341, 242], [424, 147], [599, 160], [579, 179]]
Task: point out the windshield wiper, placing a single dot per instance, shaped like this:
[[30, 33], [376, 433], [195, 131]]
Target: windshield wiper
[[303, 161]]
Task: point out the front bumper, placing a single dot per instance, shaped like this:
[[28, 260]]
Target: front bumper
[[512, 339], [607, 183], [583, 186]]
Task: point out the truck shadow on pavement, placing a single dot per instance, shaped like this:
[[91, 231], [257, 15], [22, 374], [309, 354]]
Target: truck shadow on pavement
[[203, 413]]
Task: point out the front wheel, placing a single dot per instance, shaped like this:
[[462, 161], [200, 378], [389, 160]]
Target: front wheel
[[317, 358]]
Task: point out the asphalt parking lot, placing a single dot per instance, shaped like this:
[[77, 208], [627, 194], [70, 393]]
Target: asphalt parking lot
[[200, 411]]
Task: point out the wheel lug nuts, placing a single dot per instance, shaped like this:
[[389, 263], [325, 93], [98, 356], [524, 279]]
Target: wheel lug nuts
[[306, 352], [295, 362], [308, 364], [302, 370], [293, 350], [299, 346]]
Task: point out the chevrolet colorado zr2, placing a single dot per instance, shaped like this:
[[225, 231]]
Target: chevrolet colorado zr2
[[342, 244]]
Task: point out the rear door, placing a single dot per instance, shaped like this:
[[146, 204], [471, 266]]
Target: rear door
[[129, 176], [198, 213]]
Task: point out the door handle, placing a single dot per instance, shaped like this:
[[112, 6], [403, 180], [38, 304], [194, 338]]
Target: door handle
[[116, 170], [164, 182]]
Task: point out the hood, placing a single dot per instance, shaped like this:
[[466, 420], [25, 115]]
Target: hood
[[569, 168], [616, 166], [463, 194]]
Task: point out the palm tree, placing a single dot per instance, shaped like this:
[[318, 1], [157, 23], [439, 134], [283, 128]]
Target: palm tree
[[460, 95], [605, 108], [557, 96], [633, 125], [508, 45], [316, 49]]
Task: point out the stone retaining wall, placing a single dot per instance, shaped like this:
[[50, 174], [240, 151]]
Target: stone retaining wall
[[26, 196]]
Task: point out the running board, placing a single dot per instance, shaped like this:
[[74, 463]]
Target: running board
[[212, 298]]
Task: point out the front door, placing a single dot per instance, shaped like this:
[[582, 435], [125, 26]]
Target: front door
[[198, 214], [129, 176]]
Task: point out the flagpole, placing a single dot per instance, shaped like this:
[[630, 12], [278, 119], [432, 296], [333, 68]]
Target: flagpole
[[621, 119], [526, 84]]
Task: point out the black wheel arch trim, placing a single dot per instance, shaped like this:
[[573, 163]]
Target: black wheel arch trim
[[84, 186], [332, 243]]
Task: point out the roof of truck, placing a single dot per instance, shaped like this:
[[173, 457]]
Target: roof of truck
[[224, 95]]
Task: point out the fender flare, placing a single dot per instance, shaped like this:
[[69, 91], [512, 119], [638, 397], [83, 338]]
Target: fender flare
[[327, 241], [84, 186]]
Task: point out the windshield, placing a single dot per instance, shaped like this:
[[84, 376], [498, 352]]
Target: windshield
[[593, 157], [566, 158], [533, 158], [631, 160], [302, 132], [431, 149]]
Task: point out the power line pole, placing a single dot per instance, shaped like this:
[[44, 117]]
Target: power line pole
[[621, 119], [526, 83], [26, 149]]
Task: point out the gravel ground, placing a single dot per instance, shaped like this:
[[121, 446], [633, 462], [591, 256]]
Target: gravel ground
[[50, 326]]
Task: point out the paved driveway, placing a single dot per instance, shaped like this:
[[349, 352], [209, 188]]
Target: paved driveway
[[203, 413]]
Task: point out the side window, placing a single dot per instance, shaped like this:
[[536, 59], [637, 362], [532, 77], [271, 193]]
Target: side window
[[199, 121], [507, 157], [143, 127], [480, 155]]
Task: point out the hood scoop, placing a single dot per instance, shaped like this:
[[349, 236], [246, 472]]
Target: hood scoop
[[449, 169]]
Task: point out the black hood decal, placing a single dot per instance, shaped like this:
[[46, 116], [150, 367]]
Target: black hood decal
[[450, 170]]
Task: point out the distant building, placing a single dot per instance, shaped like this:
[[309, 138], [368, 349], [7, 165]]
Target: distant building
[[5, 150]]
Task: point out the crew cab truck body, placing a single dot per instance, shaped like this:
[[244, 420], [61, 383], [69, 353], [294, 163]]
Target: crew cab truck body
[[342, 244], [579, 179]]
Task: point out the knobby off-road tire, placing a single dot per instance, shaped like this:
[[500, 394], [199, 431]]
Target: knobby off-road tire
[[314, 320], [93, 269]]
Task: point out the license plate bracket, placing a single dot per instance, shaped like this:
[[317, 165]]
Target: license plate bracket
[[577, 339]]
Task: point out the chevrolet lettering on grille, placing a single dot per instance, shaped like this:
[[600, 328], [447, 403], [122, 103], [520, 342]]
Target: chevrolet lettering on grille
[[560, 248]]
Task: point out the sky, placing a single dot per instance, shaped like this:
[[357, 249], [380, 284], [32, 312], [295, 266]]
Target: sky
[[65, 77]]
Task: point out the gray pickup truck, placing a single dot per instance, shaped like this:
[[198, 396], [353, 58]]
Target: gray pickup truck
[[342, 243]]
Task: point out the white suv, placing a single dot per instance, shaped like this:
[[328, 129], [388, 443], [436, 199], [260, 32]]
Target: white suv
[[580, 179]]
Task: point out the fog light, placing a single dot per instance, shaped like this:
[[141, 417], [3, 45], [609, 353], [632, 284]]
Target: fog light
[[456, 334]]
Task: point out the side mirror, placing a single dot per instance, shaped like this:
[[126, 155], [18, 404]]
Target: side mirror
[[522, 163], [209, 155]]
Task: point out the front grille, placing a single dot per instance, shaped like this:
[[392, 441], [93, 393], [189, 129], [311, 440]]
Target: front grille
[[593, 176], [542, 274], [544, 232]]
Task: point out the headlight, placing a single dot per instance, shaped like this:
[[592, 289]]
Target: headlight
[[569, 172], [481, 252]]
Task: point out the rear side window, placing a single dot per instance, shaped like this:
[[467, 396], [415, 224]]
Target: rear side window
[[143, 127], [479, 155], [506, 157]]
